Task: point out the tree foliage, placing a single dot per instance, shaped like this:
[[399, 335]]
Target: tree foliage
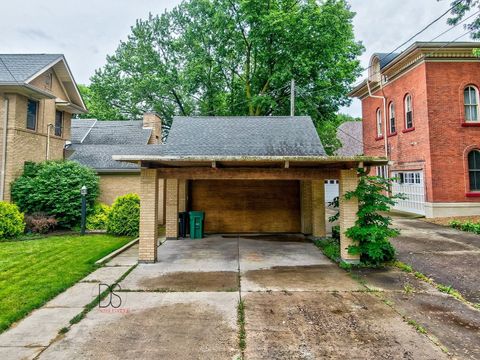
[[460, 9], [233, 57], [372, 229], [97, 105], [53, 188]]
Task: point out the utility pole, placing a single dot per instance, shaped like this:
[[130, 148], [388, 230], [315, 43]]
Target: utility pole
[[292, 98]]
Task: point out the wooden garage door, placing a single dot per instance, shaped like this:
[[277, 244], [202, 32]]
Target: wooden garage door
[[247, 206]]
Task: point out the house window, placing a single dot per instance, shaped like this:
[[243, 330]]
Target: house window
[[379, 123], [58, 123], [470, 95], [382, 171], [391, 110], [474, 170], [32, 110], [408, 112]]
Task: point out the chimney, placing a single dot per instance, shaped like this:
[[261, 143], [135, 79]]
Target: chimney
[[153, 121]]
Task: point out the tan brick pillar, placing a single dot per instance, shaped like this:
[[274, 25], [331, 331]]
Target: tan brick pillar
[[306, 206], [318, 208], [171, 218], [182, 195], [161, 201], [348, 212], [148, 215]]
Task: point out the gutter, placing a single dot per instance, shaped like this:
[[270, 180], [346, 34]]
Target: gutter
[[199, 158], [4, 147]]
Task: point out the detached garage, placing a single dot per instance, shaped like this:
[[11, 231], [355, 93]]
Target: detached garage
[[248, 206], [248, 174]]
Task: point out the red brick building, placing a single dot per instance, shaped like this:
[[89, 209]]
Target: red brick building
[[421, 108]]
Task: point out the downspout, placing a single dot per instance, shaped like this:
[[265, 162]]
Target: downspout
[[385, 136], [49, 126], [4, 147]]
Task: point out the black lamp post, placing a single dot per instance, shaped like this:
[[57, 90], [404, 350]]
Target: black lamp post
[[83, 192]]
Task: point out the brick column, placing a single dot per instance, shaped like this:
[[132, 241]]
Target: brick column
[[348, 212], [148, 215], [318, 208], [161, 201], [171, 218], [182, 195], [306, 206]]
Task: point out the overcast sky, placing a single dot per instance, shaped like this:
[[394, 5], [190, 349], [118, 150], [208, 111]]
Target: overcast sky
[[86, 31]]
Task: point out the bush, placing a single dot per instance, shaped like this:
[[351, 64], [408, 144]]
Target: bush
[[98, 218], [40, 223], [124, 218], [12, 224], [53, 188], [372, 231]]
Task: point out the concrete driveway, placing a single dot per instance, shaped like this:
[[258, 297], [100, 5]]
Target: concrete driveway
[[451, 257], [298, 305]]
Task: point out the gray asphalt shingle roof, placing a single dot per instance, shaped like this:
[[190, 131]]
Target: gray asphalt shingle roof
[[112, 132], [99, 157], [20, 67], [243, 136], [94, 142], [350, 134]]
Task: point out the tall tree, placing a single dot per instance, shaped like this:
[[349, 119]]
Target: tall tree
[[460, 8], [235, 57]]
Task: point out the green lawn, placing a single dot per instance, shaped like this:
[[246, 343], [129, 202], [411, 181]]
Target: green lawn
[[34, 271]]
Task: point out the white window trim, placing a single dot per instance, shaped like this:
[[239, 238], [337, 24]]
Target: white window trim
[[477, 104], [391, 111], [407, 97], [378, 118]]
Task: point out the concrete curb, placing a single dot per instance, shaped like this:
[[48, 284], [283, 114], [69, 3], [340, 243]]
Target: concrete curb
[[116, 252]]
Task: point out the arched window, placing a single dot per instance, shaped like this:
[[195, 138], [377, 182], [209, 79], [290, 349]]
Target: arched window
[[391, 113], [474, 170], [379, 123], [470, 96], [408, 112]]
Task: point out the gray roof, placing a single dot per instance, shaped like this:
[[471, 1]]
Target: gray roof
[[385, 58], [99, 157], [116, 132], [94, 142], [350, 135], [80, 129], [21, 67], [243, 136]]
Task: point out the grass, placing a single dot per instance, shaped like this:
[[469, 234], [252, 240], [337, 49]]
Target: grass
[[34, 271], [242, 337]]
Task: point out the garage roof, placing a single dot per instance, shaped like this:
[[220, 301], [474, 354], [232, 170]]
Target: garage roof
[[244, 135]]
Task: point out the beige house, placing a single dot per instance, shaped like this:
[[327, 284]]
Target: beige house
[[248, 174], [94, 142], [38, 96]]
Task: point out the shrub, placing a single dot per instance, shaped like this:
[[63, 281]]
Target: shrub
[[53, 188], [40, 223], [372, 231], [98, 218], [124, 218], [466, 226], [12, 224]]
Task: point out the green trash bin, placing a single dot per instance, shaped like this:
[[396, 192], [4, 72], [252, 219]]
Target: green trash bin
[[196, 224]]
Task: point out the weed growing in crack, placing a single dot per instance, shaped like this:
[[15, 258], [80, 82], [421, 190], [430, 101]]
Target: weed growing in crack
[[241, 324], [408, 289], [417, 326]]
